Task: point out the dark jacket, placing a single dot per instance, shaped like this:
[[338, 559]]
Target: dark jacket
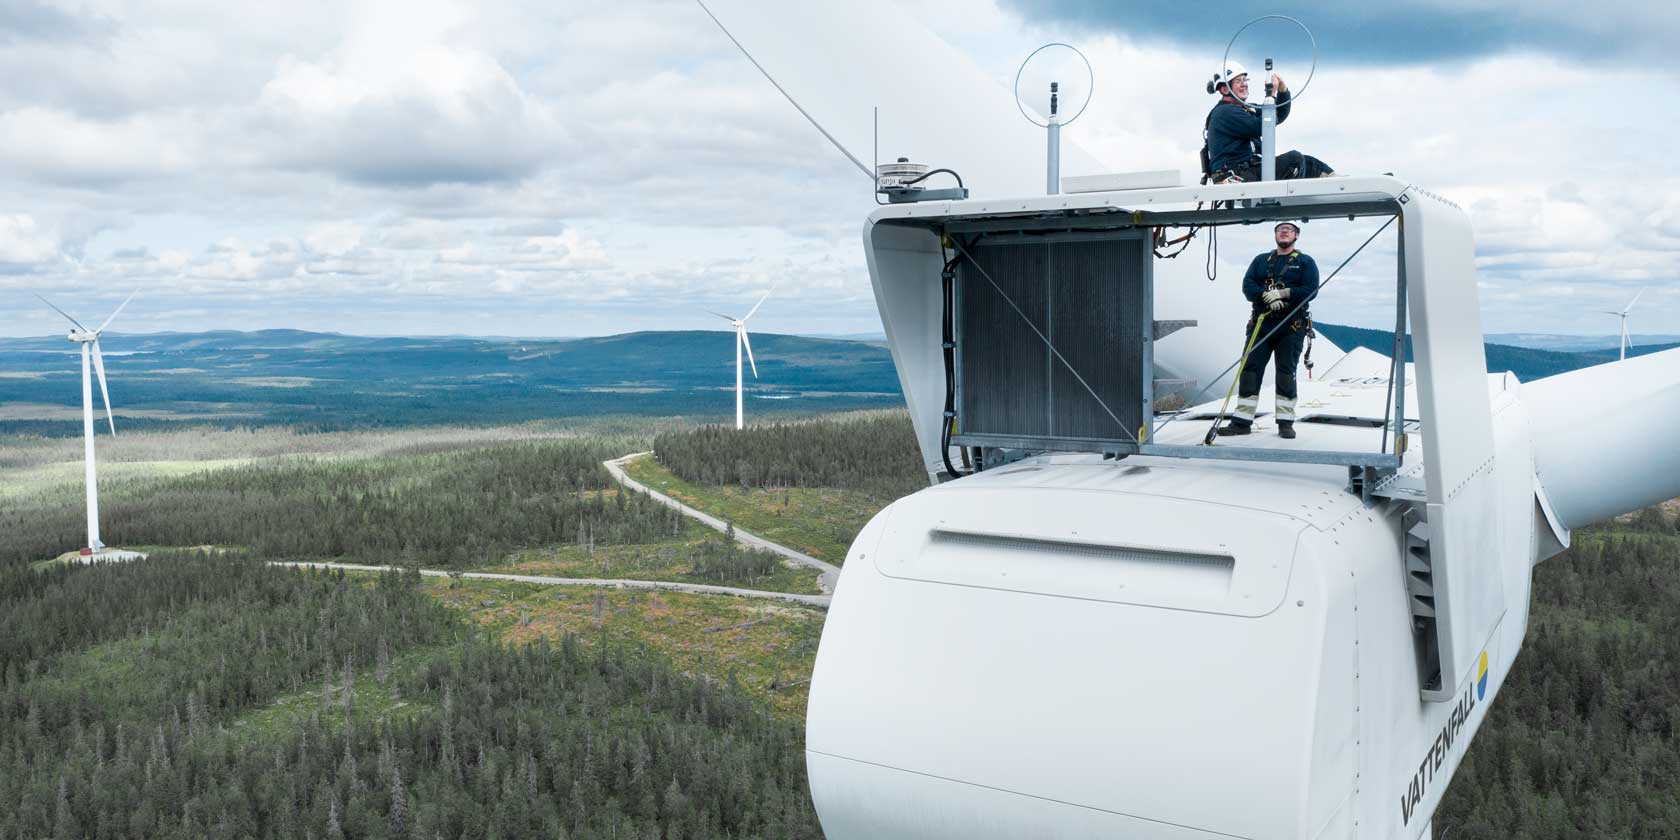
[[1297, 271], [1233, 133]]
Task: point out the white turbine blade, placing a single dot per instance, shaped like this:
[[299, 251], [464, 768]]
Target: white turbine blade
[[723, 316], [862, 65], [1631, 303], [756, 306], [62, 312], [104, 393], [118, 309], [747, 342]]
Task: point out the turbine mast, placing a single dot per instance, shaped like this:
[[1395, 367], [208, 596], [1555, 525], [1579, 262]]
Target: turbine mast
[[739, 418], [93, 543]]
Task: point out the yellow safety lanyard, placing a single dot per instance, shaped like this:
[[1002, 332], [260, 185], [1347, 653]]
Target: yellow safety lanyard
[[1219, 418]]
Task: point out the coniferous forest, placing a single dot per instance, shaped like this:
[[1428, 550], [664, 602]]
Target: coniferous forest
[[197, 696], [205, 695], [1584, 739], [447, 509], [877, 455]]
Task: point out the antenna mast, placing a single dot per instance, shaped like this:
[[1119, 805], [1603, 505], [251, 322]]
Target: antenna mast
[[1268, 105], [1053, 157], [1054, 122]]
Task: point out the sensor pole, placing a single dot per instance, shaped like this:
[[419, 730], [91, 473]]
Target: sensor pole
[[1053, 173], [1268, 130]]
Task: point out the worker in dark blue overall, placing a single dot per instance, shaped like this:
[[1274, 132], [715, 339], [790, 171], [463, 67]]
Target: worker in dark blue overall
[[1232, 148], [1279, 283]]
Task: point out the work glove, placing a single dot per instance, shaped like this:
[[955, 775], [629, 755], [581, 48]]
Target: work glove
[[1277, 305], [1273, 296]]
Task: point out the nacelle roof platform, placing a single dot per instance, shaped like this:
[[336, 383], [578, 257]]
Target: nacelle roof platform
[[1052, 282], [1319, 198]]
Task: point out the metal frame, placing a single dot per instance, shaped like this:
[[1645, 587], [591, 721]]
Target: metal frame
[[1147, 353], [1106, 223]]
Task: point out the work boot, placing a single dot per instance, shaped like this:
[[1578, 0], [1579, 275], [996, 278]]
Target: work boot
[[1286, 430], [1234, 428]]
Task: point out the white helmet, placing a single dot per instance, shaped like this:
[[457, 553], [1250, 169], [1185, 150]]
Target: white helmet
[[1227, 74]]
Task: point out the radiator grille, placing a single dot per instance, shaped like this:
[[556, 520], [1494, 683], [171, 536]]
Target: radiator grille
[[1091, 300]]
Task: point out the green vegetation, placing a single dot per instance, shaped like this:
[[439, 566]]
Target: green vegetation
[[876, 455], [454, 508], [819, 521], [809, 486], [696, 555], [767, 647], [1584, 740], [203, 696]]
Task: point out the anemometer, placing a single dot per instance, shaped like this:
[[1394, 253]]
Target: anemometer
[[1053, 123], [1267, 105]]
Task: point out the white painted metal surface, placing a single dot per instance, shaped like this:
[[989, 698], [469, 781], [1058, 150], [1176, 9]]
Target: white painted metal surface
[[1603, 436], [904, 267], [1056, 648], [1110, 181]]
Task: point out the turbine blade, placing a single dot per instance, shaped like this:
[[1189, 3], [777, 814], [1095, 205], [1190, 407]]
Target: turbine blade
[[104, 393], [723, 316], [62, 312], [757, 305], [1632, 302], [118, 309], [747, 342]]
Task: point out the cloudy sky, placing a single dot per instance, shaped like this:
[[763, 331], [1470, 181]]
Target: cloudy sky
[[428, 166]]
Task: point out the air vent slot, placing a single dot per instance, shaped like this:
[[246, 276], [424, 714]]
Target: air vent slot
[[1096, 551]]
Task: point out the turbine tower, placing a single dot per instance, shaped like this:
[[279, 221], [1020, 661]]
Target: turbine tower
[[741, 341], [1623, 315], [89, 339]]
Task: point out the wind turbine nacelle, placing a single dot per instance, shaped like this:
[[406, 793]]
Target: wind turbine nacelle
[[83, 336], [1070, 648], [1009, 660]]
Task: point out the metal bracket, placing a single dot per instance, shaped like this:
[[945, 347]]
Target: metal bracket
[[1166, 328], [912, 195]]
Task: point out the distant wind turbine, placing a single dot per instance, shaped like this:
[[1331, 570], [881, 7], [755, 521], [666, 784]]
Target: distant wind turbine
[[1623, 315], [89, 339], [741, 341]]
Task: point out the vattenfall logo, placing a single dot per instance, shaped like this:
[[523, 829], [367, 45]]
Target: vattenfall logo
[[1443, 744], [1481, 678]]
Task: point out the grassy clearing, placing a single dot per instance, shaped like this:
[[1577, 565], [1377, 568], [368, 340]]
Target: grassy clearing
[[760, 644], [370, 701], [670, 559], [819, 521]]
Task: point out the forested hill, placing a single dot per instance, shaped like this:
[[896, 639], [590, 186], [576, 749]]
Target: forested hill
[[331, 381], [1528, 364]]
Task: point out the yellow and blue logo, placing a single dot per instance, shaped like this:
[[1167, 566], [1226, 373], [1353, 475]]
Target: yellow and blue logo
[[1481, 678]]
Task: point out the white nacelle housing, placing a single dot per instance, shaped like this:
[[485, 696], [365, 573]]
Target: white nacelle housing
[[1177, 647]]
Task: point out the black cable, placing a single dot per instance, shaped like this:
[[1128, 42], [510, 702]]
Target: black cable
[[948, 346], [1212, 267], [929, 174]]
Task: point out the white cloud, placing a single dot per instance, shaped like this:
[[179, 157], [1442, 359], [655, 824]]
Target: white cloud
[[56, 146], [23, 244], [401, 102], [443, 163]]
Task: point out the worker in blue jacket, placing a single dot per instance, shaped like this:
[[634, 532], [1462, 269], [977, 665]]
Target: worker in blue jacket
[[1279, 284], [1232, 150]]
